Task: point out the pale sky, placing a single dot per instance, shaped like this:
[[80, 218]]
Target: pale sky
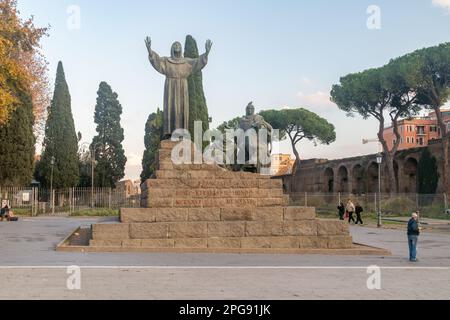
[[274, 53]]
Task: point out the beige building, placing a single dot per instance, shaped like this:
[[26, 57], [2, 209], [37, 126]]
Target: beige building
[[131, 188], [282, 164]]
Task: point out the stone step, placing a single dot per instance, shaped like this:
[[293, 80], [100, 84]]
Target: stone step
[[165, 154], [282, 242], [215, 193], [208, 183], [223, 202], [181, 230], [151, 215], [214, 173], [168, 144], [168, 165]]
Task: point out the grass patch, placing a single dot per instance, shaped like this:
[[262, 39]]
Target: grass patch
[[22, 212], [96, 213]]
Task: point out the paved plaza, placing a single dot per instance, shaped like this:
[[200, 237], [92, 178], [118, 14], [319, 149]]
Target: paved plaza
[[32, 269]]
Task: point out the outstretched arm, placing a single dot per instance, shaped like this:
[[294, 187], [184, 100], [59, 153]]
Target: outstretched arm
[[154, 58], [208, 46], [201, 62]]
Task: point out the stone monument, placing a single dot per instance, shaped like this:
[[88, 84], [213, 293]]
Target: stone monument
[[177, 70], [254, 149], [205, 208]]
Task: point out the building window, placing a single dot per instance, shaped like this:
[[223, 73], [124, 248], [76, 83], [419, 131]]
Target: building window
[[420, 141]]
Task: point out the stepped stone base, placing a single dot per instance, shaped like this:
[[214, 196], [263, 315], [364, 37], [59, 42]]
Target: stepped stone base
[[204, 208]]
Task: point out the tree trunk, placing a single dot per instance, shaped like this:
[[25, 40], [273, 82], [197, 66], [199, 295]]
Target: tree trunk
[[295, 167], [445, 165], [389, 159], [445, 138]]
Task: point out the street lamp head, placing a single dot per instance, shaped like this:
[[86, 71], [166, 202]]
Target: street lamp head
[[379, 158]]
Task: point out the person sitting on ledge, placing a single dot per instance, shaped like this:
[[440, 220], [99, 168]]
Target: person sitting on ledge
[[10, 216], [3, 212], [7, 213]]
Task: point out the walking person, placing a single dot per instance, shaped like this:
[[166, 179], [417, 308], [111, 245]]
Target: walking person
[[358, 210], [413, 236], [341, 210], [350, 209]]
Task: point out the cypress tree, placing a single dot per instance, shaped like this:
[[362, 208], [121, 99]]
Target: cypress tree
[[198, 109], [153, 136], [17, 145], [60, 142], [109, 153], [428, 175]]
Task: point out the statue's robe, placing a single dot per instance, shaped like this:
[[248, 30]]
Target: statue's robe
[[255, 147], [176, 94]]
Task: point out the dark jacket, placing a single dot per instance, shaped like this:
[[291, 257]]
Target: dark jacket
[[413, 227], [3, 212], [358, 209], [341, 209]]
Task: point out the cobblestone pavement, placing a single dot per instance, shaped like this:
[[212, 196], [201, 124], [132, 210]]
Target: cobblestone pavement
[[32, 269]]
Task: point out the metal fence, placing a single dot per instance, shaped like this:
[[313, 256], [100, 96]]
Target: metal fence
[[430, 205], [40, 201]]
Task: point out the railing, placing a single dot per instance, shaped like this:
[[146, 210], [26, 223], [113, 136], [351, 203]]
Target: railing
[[398, 205], [40, 201]]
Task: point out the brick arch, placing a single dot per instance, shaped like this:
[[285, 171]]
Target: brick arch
[[372, 177], [343, 179], [410, 170], [328, 176], [358, 179]]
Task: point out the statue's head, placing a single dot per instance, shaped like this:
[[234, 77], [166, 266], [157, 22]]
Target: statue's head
[[177, 50], [250, 109]]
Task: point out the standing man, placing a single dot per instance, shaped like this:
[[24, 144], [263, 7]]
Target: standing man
[[413, 236]]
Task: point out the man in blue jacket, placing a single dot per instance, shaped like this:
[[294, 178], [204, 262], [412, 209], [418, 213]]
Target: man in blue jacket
[[413, 236]]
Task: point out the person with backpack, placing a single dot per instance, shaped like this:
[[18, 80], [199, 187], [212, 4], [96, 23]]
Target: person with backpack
[[358, 211]]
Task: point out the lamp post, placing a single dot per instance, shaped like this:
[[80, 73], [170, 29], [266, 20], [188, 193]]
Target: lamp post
[[91, 148], [52, 163], [92, 151], [379, 161]]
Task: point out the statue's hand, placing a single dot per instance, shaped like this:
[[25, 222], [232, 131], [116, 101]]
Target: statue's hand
[[148, 44], [208, 46]]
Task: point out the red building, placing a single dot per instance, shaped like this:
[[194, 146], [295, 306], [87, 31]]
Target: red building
[[417, 132]]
